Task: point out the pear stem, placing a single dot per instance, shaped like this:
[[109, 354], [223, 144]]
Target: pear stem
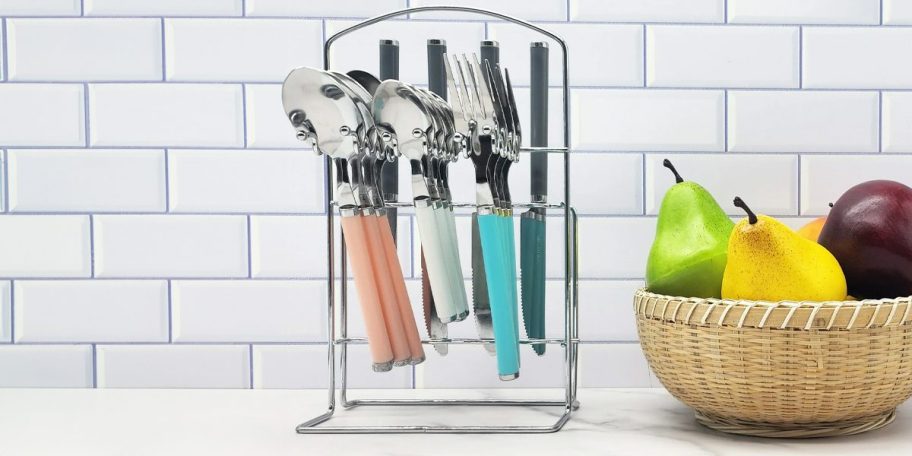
[[751, 217], [667, 163]]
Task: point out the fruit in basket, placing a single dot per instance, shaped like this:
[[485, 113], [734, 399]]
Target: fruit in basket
[[870, 232], [811, 230], [689, 252], [768, 261]]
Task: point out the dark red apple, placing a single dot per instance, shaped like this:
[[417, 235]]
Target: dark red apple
[[869, 231]]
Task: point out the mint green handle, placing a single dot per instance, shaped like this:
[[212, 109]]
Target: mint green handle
[[506, 337]]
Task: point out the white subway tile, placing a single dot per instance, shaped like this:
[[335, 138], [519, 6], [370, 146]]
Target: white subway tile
[[42, 115], [470, 366], [687, 120], [304, 366], [163, 8], [824, 178], [267, 125], [245, 181], [86, 180], [761, 121], [44, 246], [287, 246], [40, 8], [555, 116], [804, 11], [618, 62], [239, 49], [248, 311], [209, 115], [648, 10], [6, 319], [863, 57], [91, 311], [897, 118], [170, 246], [606, 183], [173, 366], [84, 49], [289, 366], [613, 366], [606, 307], [897, 12], [348, 53], [614, 247], [45, 366], [539, 10], [725, 176], [712, 56], [337, 8]]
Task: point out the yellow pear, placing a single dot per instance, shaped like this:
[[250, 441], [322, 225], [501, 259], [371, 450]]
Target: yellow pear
[[768, 261]]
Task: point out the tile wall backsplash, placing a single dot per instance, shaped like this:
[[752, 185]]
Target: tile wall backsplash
[[161, 227]]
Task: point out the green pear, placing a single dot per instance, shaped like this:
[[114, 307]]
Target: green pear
[[690, 249]]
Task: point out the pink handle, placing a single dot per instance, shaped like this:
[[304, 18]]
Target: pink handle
[[353, 228], [388, 299], [402, 297]]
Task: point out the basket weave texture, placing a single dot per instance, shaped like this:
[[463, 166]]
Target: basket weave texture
[[786, 369]]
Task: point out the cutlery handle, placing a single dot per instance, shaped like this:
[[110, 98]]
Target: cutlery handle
[[532, 257], [388, 299], [389, 174], [506, 339], [448, 222], [402, 298], [510, 259], [432, 241], [355, 233], [538, 130]]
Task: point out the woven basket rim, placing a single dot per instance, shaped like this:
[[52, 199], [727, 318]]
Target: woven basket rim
[[805, 315]]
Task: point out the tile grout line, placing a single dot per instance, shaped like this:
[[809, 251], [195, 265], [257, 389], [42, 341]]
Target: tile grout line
[[5, 49], [12, 311], [725, 121], [568, 10], [798, 183], [249, 255], [170, 313], [94, 366], [643, 183], [92, 245], [163, 60], [644, 55], [167, 154], [250, 365], [244, 112], [5, 188], [880, 111], [87, 130], [881, 12], [800, 57]]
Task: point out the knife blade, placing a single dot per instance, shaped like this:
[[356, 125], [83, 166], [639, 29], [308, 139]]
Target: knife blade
[[481, 304], [533, 279]]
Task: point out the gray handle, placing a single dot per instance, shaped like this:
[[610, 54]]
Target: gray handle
[[389, 175], [436, 74], [539, 117], [490, 51]]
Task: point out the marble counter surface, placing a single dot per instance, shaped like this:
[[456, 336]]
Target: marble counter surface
[[261, 422]]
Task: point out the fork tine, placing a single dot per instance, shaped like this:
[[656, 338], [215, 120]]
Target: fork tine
[[484, 91], [472, 80], [455, 90]]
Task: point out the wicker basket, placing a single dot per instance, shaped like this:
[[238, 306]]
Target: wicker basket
[[786, 369]]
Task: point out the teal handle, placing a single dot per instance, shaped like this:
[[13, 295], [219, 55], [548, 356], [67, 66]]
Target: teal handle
[[506, 336], [510, 257]]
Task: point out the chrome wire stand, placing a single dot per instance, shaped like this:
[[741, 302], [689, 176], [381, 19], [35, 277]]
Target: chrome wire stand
[[569, 342]]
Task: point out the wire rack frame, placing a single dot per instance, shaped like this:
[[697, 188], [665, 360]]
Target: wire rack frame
[[569, 342]]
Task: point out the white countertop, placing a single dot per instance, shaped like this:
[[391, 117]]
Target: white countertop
[[262, 422]]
